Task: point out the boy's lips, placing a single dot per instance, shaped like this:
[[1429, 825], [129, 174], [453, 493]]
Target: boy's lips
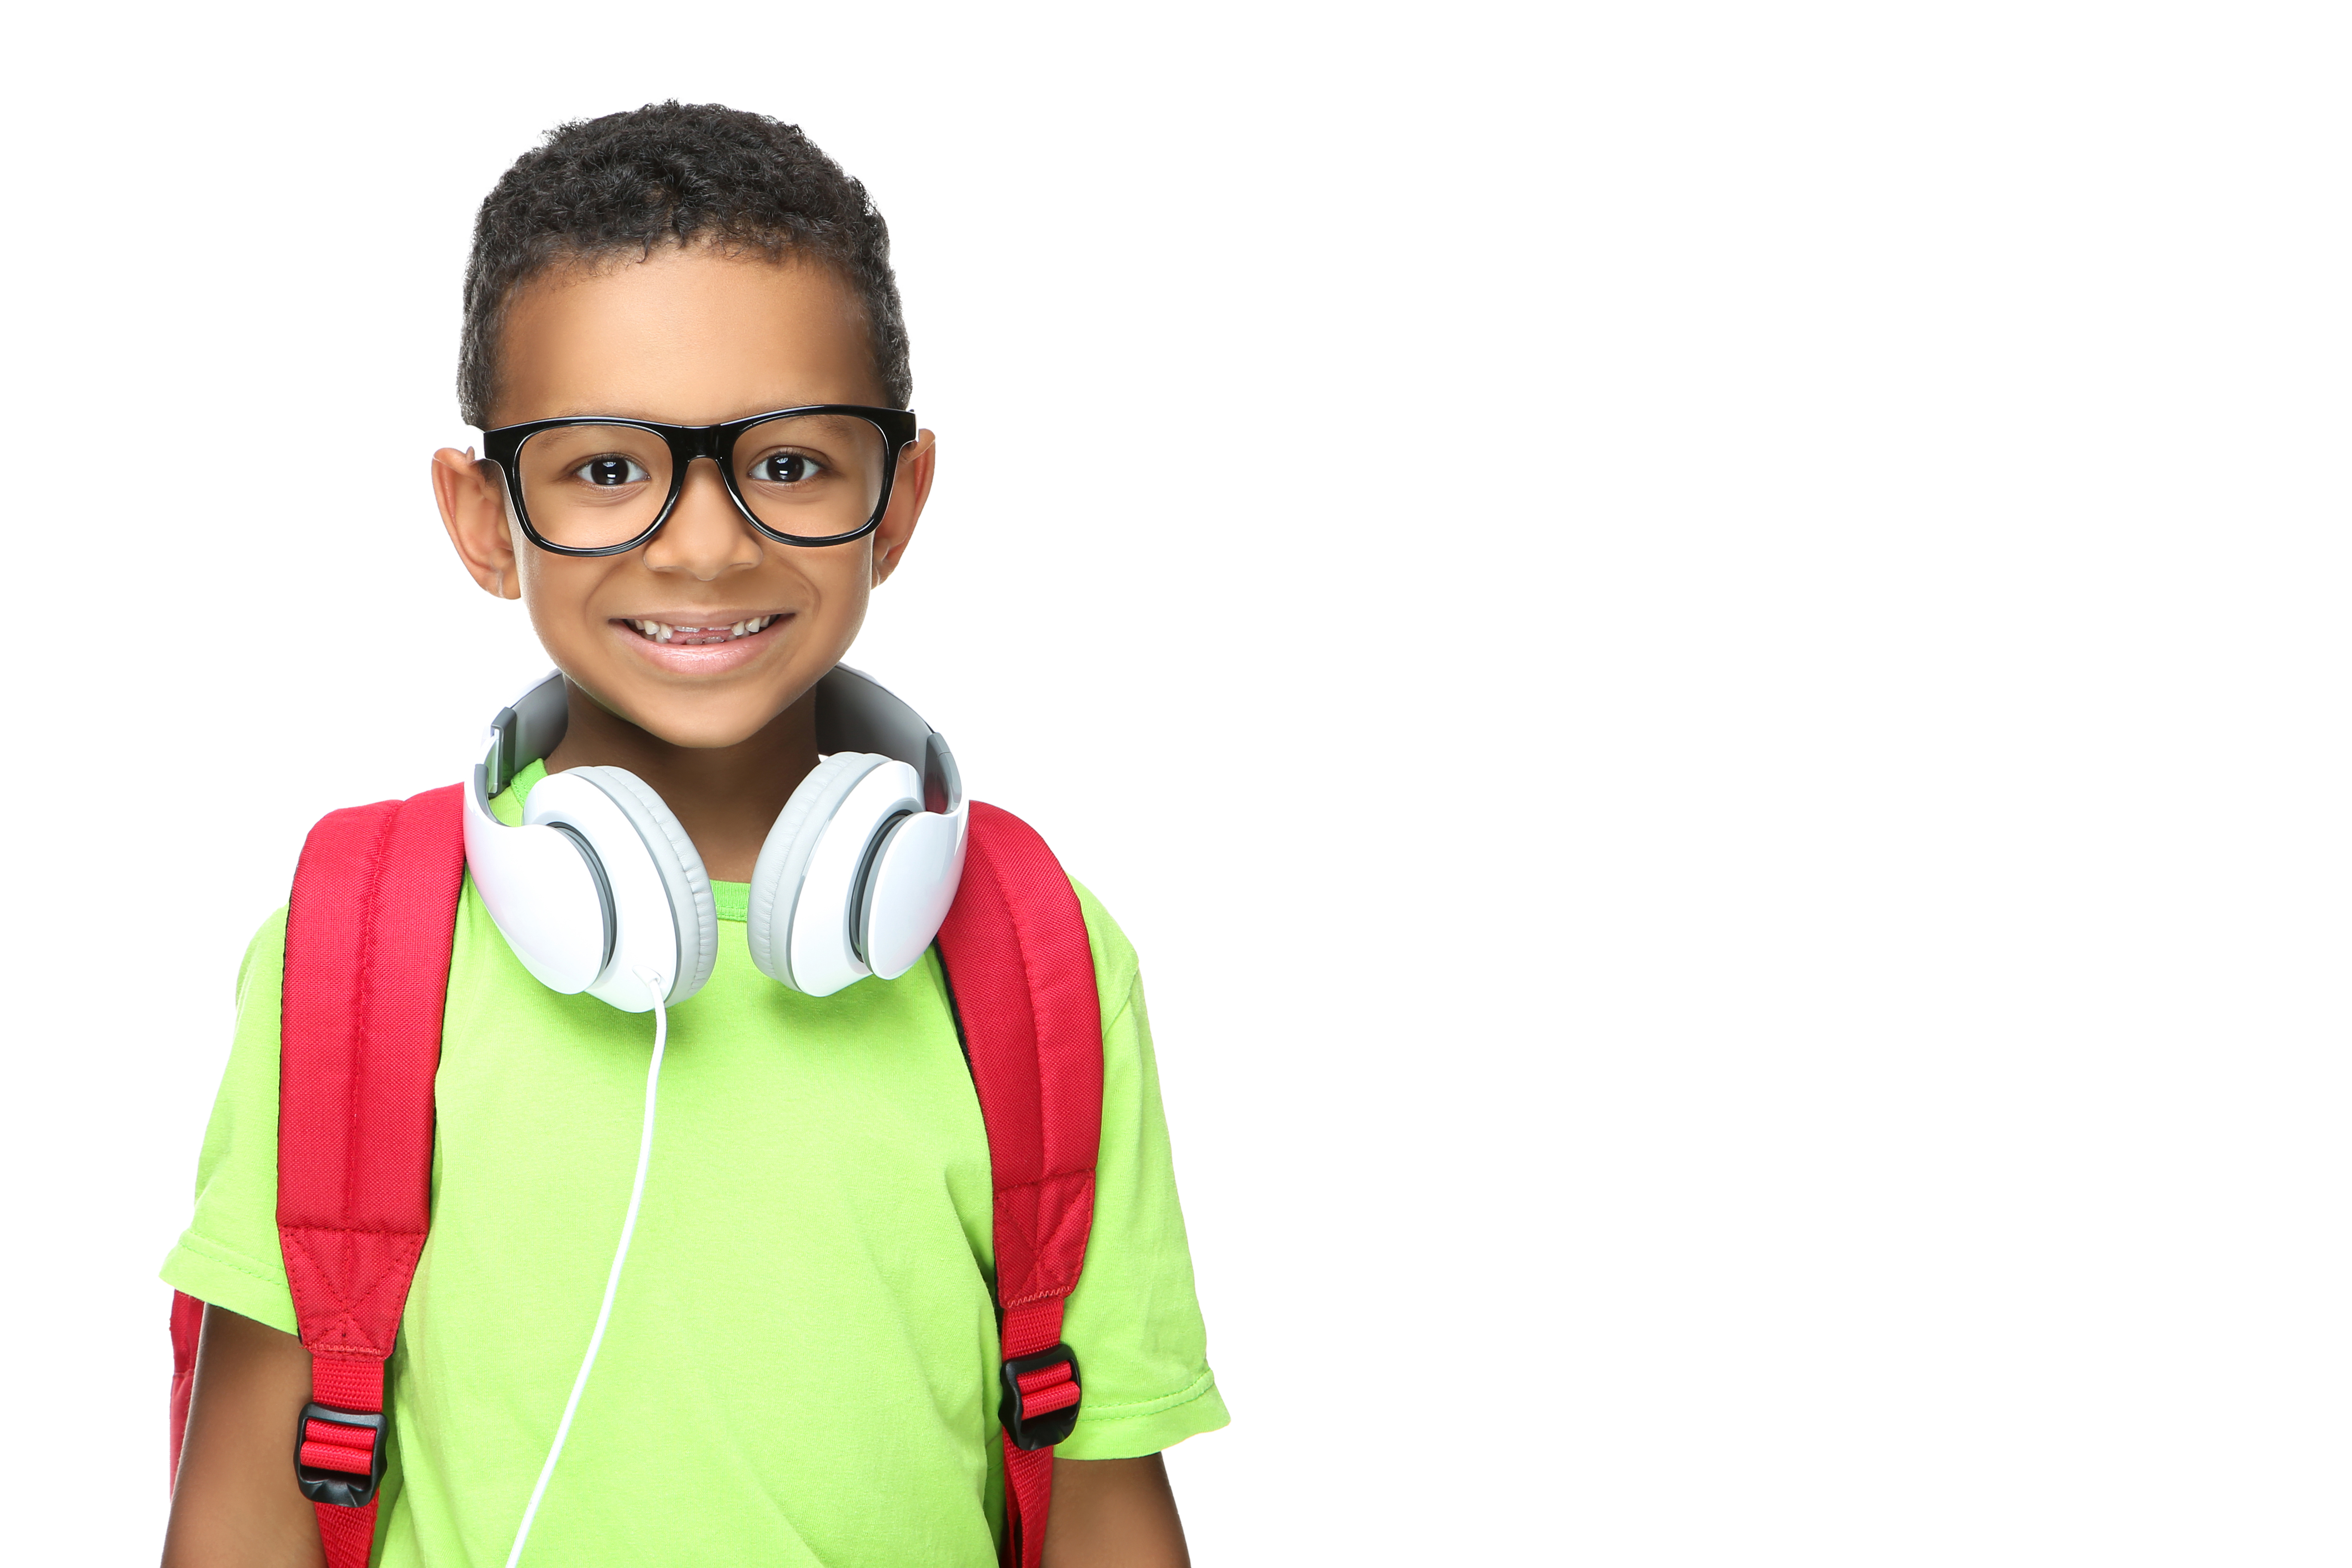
[[702, 644]]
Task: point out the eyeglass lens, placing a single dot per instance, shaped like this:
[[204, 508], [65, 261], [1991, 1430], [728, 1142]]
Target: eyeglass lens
[[812, 475]]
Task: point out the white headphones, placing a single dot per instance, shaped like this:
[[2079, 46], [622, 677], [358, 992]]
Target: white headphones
[[600, 883]]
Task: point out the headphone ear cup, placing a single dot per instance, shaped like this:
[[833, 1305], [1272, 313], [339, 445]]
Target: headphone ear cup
[[783, 858], [679, 866]]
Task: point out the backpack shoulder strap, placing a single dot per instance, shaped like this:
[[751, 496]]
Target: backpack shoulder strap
[[1023, 980], [368, 933]]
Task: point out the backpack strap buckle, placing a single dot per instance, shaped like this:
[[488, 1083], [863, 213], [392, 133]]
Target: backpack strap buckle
[[338, 1454], [1040, 1407]]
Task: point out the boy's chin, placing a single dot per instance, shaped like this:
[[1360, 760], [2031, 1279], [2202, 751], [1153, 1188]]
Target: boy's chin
[[699, 720], [699, 702]]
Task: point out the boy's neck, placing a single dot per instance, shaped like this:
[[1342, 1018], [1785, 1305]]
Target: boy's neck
[[725, 797]]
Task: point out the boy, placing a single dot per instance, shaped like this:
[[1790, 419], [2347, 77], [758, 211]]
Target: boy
[[801, 1353]]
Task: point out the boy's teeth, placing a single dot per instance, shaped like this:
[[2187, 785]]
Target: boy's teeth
[[659, 631]]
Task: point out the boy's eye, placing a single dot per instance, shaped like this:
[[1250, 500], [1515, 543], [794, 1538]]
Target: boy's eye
[[786, 468], [611, 470]]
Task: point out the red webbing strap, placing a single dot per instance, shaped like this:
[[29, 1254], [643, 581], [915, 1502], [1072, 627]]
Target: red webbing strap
[[368, 933], [1014, 946], [347, 1534], [188, 1324], [1029, 1472]]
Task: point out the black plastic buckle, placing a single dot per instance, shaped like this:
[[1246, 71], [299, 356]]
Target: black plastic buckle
[[1044, 1430], [341, 1488]]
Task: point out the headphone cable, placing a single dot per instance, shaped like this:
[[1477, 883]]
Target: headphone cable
[[654, 987]]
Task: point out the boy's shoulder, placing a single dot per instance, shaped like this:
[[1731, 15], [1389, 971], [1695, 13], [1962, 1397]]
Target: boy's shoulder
[[1116, 966]]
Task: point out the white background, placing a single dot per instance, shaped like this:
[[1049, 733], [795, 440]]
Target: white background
[[1704, 646]]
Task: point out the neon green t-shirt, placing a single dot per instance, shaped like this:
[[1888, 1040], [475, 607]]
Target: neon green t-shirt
[[802, 1362]]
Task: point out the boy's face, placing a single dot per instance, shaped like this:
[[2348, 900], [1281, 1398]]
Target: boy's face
[[689, 337]]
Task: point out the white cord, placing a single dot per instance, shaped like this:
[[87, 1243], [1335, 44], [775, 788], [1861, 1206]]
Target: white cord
[[612, 1281]]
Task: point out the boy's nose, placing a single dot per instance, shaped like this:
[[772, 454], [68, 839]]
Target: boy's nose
[[707, 535]]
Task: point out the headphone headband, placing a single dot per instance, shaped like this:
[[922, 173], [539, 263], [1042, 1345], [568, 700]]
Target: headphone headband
[[855, 713]]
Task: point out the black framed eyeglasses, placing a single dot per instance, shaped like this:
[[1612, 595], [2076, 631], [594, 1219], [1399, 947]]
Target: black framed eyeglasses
[[596, 485]]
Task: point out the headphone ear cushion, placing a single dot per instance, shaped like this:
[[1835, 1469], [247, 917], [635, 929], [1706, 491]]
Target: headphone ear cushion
[[679, 865], [784, 857]]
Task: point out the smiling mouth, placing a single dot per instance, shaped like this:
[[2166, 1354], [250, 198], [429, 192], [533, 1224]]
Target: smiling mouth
[[697, 637]]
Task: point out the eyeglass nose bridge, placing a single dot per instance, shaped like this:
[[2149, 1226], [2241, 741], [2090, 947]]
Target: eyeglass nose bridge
[[687, 442], [691, 441]]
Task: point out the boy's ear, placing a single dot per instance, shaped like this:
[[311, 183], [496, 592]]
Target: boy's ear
[[908, 491], [474, 510]]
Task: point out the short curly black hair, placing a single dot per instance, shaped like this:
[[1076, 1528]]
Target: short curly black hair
[[681, 172]]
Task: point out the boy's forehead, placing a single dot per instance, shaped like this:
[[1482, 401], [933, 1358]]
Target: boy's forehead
[[692, 335]]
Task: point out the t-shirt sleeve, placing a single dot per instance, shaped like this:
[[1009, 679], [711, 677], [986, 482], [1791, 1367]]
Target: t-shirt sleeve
[[1134, 1322], [228, 1255]]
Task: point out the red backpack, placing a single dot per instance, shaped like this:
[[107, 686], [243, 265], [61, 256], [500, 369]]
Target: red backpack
[[368, 936]]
